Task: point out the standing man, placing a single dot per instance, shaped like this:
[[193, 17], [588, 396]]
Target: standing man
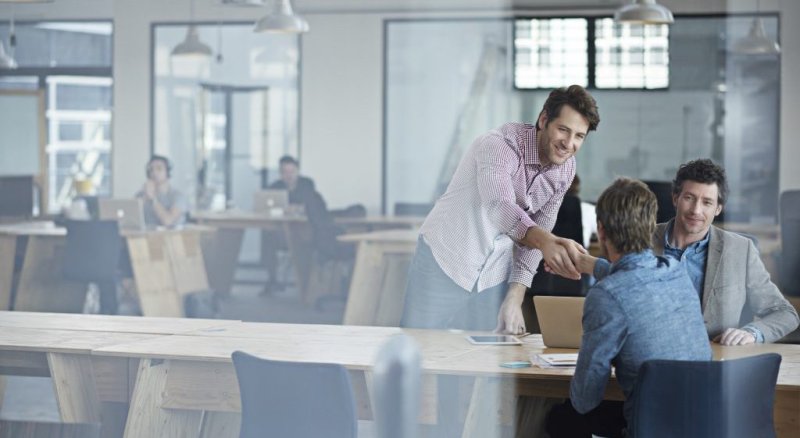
[[740, 304], [480, 246], [164, 206], [645, 308]]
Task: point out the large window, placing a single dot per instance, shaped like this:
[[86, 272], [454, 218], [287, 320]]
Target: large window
[[444, 88], [70, 62], [595, 53]]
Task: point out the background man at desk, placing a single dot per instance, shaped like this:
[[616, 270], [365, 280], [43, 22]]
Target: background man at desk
[[164, 205], [300, 188], [485, 236], [645, 308], [725, 267]]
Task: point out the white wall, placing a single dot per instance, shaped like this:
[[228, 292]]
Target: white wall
[[341, 143]]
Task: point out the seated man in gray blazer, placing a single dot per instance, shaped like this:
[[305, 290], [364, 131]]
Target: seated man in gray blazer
[[740, 304]]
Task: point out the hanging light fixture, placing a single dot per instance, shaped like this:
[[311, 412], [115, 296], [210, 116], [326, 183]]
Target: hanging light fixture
[[191, 46], [643, 12], [281, 19], [6, 62], [756, 42]]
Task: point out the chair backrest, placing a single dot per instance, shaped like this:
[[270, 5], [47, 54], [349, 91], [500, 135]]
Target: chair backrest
[[790, 236], [294, 399], [92, 250], [729, 398], [412, 209], [663, 192]]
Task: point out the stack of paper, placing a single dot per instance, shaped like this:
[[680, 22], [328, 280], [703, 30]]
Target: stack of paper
[[556, 360]]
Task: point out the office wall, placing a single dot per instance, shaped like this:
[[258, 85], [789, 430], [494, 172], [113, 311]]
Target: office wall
[[341, 80]]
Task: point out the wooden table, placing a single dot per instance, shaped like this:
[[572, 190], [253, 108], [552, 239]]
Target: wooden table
[[377, 288], [221, 263], [182, 376], [166, 265], [59, 345]]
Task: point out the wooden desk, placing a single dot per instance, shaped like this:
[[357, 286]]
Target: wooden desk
[[109, 323], [377, 288], [166, 265], [221, 262], [169, 398]]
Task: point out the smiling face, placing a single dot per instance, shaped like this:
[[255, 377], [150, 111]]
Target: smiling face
[[696, 206], [562, 137]]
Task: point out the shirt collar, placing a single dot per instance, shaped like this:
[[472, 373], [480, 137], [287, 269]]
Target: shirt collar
[[698, 246], [631, 259]]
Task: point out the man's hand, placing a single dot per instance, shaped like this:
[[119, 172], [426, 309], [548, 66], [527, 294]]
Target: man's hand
[[584, 264], [509, 319], [558, 252], [734, 336]]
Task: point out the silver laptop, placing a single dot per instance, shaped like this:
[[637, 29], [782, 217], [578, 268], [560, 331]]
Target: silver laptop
[[129, 212], [560, 319], [274, 202]]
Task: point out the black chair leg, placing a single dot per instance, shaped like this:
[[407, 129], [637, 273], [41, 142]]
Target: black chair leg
[[108, 297]]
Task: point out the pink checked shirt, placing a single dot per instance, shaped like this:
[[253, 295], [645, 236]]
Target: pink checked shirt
[[498, 191]]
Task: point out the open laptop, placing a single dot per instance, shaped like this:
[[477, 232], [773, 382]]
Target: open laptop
[[272, 202], [129, 212], [560, 320]]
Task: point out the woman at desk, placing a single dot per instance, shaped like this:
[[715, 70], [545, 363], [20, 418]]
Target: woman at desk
[[164, 206]]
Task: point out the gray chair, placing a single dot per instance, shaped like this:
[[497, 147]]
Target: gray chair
[[294, 399], [704, 399], [91, 255], [397, 382]]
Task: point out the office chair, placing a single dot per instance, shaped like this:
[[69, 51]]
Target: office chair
[[663, 192], [790, 236], [294, 399], [412, 209], [91, 255], [729, 398]]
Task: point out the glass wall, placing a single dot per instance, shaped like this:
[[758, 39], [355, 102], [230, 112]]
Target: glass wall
[[443, 89], [70, 62], [226, 119]]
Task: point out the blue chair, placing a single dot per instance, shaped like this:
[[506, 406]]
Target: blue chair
[[294, 399], [704, 399]]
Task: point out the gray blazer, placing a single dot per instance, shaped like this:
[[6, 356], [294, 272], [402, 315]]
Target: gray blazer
[[737, 288]]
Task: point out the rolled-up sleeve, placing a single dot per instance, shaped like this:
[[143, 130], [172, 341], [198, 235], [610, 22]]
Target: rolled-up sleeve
[[604, 331]]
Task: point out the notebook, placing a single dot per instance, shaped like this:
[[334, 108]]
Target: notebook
[[129, 212], [560, 320]]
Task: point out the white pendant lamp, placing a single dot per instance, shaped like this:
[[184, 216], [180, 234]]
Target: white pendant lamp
[[756, 42], [643, 12], [191, 46], [281, 19], [6, 61]]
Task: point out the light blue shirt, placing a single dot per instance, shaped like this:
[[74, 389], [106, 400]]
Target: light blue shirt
[[645, 308], [694, 257]]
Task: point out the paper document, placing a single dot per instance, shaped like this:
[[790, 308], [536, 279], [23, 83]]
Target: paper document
[[556, 360]]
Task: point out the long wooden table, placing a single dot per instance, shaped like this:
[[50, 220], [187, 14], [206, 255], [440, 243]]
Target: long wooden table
[[187, 383], [166, 265], [377, 288], [231, 225]]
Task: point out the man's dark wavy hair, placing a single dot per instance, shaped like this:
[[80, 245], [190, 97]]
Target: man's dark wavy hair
[[703, 171]]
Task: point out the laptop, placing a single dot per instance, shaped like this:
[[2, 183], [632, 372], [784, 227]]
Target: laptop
[[560, 319], [129, 212], [272, 202]]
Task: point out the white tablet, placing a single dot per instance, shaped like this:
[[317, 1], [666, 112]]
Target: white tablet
[[494, 340]]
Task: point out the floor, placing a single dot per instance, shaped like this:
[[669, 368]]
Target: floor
[[32, 399]]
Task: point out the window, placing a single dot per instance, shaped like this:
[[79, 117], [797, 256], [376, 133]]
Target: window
[[631, 56], [555, 52], [551, 52]]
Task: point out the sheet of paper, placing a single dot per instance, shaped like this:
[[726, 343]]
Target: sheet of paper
[[556, 360]]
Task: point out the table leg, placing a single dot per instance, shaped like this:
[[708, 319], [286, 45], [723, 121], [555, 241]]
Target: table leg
[[491, 408], [73, 382], [220, 424], [8, 248], [41, 285], [147, 418]]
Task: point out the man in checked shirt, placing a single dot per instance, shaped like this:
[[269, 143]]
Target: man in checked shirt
[[480, 246]]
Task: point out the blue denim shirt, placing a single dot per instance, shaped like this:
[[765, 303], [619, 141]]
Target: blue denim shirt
[[694, 255], [645, 308]]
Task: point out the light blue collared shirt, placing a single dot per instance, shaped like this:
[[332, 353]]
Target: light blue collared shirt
[[693, 257]]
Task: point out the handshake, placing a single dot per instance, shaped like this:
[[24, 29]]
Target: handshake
[[563, 257]]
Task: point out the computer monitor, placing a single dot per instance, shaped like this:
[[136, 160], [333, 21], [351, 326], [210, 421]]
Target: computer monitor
[[129, 212], [663, 192], [16, 196]]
